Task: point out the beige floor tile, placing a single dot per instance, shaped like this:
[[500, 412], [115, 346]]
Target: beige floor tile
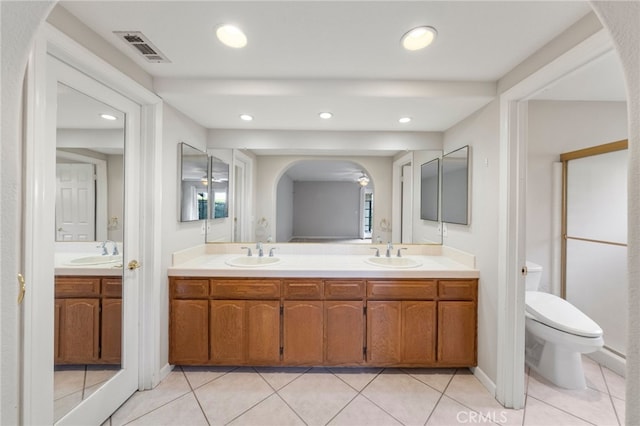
[[361, 411], [317, 396], [615, 383], [449, 412], [405, 398], [62, 406], [107, 422], [278, 377], [588, 404], [234, 393], [468, 391], [172, 387], [357, 378], [182, 411], [67, 380], [437, 378], [538, 413], [619, 406], [593, 375], [271, 412], [198, 376]]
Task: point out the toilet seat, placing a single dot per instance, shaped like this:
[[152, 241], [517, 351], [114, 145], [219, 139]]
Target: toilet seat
[[555, 312]]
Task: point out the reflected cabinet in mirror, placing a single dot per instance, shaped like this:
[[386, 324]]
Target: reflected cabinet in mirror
[[455, 187], [430, 190], [194, 193]]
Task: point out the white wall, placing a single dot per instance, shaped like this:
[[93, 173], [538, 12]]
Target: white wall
[[481, 132], [115, 199], [556, 127], [284, 209], [176, 235], [326, 209]]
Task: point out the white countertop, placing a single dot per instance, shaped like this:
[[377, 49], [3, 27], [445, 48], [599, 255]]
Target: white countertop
[[212, 262], [66, 252]]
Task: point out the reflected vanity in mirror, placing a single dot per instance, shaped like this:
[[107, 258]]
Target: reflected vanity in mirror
[[194, 192], [455, 187], [89, 220], [430, 190]]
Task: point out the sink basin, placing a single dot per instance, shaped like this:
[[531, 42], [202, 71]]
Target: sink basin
[[252, 261], [95, 260], [394, 262]]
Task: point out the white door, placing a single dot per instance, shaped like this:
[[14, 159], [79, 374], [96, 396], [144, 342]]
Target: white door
[[75, 202], [40, 159]]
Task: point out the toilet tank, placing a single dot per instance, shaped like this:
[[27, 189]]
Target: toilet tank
[[534, 274]]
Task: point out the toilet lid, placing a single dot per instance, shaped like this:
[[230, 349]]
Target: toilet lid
[[560, 314]]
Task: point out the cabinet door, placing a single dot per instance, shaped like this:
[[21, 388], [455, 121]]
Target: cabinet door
[[302, 332], [189, 332], [384, 332], [457, 333], [344, 332], [228, 332], [80, 332], [418, 332], [111, 331], [263, 332]]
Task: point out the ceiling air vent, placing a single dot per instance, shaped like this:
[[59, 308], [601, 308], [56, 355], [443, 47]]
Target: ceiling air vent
[[142, 45]]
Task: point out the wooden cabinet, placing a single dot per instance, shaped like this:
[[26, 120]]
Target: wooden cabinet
[[349, 322], [88, 320]]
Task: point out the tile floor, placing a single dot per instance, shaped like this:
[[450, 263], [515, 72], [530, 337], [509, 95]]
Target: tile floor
[[338, 396]]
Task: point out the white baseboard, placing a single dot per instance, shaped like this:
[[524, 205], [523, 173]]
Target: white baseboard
[[611, 360], [484, 379], [164, 372]]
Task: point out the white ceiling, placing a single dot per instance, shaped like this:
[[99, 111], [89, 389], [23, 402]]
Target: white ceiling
[[304, 57]]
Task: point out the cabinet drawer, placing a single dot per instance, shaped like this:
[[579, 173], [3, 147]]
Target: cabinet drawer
[[245, 289], [189, 288], [344, 289], [457, 290], [77, 286], [401, 289], [303, 289], [112, 287]]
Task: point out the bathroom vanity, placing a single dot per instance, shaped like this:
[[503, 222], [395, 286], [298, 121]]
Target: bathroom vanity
[[320, 309]]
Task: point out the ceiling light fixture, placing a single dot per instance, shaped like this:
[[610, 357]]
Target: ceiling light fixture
[[231, 36], [419, 38], [246, 117], [108, 117], [325, 115], [363, 180], [404, 120]]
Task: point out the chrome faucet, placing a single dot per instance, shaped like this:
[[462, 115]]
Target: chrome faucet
[[400, 251], [105, 252], [259, 248], [248, 250], [377, 251], [271, 251], [389, 248]]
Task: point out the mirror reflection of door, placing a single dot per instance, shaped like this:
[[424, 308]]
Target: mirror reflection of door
[[89, 237]]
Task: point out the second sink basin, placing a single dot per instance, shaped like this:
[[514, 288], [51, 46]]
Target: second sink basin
[[95, 260], [393, 262], [252, 261]]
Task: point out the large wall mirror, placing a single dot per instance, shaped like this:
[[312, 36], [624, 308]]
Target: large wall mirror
[[430, 190], [455, 187], [89, 209], [194, 190]]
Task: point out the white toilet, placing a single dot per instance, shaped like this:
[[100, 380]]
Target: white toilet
[[557, 333]]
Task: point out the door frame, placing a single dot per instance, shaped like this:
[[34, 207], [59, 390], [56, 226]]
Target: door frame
[[38, 254], [509, 386], [396, 196]]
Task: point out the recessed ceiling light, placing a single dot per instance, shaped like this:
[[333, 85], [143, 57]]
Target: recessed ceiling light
[[231, 36], [325, 115], [404, 120], [108, 117], [419, 38], [246, 117]]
